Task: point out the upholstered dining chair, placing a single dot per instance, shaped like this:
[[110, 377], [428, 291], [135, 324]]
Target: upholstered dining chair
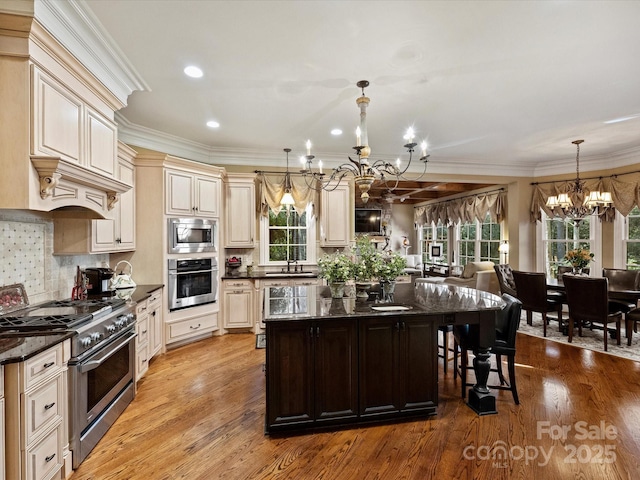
[[531, 290], [588, 300], [507, 323], [505, 279]]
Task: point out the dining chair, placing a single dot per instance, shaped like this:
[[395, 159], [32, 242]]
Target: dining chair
[[588, 300], [505, 279], [532, 291], [466, 339]]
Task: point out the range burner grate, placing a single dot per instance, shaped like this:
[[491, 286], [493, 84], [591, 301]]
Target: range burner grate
[[49, 322]]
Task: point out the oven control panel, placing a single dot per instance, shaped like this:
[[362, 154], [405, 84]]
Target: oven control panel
[[95, 334]]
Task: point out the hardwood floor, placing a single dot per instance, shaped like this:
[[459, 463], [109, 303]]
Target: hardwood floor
[[199, 414]]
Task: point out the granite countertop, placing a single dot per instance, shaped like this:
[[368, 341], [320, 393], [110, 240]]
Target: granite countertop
[[142, 292], [287, 303], [20, 346]]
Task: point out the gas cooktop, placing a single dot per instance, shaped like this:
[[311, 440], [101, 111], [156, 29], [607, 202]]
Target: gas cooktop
[[58, 314]]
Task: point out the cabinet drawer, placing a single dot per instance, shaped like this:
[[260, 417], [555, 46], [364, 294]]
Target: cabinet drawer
[[142, 360], [43, 365], [156, 296], [45, 458], [191, 327], [141, 308], [43, 407], [237, 284], [275, 283], [142, 329], [304, 282]]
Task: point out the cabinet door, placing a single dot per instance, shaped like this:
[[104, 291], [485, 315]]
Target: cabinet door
[[179, 191], [57, 119], [418, 388], [155, 325], [103, 235], [207, 197], [335, 217], [238, 307], [240, 215], [379, 371], [336, 370], [289, 374], [101, 144], [126, 213]]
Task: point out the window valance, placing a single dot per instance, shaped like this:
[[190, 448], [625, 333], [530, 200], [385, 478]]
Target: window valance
[[625, 195], [272, 189], [464, 209]]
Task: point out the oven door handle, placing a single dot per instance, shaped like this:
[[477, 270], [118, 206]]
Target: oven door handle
[[192, 272], [110, 350]]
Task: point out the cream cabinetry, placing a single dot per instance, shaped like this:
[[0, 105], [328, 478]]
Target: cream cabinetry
[[190, 194], [238, 304], [2, 411], [64, 126], [37, 415], [75, 235], [335, 217], [240, 211], [149, 330], [190, 327]]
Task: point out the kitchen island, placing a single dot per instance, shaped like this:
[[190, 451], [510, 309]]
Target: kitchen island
[[338, 362]]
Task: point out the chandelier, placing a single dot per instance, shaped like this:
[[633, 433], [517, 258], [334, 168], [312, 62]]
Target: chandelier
[[364, 172], [573, 203]]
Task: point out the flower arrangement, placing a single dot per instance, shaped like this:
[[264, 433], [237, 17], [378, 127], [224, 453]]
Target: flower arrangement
[[336, 267], [388, 266], [579, 257], [363, 268]]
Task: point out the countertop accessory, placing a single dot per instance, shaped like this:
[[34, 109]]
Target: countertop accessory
[[122, 280], [13, 297]]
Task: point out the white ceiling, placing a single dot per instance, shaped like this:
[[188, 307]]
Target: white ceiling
[[500, 87]]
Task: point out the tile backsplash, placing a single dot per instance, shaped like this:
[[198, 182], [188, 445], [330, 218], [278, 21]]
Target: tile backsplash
[[26, 256]]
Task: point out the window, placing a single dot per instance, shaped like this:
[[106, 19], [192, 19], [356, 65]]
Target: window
[[560, 235], [478, 241], [435, 234], [631, 239], [287, 236]]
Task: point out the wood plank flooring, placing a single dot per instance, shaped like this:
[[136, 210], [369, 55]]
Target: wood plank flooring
[[199, 414]]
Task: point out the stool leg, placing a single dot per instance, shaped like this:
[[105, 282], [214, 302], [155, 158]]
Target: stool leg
[[445, 351]]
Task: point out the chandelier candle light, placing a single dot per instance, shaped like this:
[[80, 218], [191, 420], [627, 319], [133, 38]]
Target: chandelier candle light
[[364, 172], [572, 203]]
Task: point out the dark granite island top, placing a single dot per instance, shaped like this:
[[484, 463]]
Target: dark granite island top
[[337, 362]]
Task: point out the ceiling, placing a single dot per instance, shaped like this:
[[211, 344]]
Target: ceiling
[[494, 87]]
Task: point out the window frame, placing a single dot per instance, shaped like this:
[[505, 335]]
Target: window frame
[[621, 239], [310, 245], [477, 241]]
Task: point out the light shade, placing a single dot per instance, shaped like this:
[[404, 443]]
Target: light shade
[[287, 199]]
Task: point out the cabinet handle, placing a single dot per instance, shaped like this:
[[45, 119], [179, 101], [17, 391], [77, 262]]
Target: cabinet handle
[[237, 291], [49, 364], [318, 332], [153, 313], [49, 406], [144, 331], [194, 328], [50, 457]]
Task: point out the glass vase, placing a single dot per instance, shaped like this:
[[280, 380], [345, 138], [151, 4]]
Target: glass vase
[[337, 289]]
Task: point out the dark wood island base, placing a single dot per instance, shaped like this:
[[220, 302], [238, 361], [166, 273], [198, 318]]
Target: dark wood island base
[[341, 362]]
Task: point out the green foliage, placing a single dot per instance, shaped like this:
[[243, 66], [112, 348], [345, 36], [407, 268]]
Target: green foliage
[[336, 267]]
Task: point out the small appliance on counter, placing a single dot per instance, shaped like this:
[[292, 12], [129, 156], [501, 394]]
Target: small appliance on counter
[[233, 264], [98, 280]]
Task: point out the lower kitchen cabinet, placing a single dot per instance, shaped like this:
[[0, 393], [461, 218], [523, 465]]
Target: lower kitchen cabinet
[[237, 303], [37, 415], [2, 410], [397, 366], [183, 326], [311, 373], [149, 329]]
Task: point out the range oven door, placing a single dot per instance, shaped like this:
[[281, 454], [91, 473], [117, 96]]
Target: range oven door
[[102, 385]]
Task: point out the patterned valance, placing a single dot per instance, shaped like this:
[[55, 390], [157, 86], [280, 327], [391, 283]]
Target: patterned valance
[[464, 209], [625, 195], [272, 189]]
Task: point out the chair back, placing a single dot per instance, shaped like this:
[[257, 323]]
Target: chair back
[[587, 298], [532, 290], [508, 320], [620, 279], [504, 272]]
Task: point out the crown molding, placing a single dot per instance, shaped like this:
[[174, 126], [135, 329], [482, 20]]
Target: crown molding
[[74, 25], [621, 158]]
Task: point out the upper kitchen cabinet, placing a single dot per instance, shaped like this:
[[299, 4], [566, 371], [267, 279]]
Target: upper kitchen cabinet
[[240, 210], [335, 216], [192, 194], [73, 235], [58, 144]]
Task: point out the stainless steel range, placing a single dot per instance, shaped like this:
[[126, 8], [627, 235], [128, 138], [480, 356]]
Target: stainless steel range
[[101, 368]]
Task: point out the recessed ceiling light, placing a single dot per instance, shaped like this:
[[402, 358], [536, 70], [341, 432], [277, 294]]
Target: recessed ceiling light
[[193, 71], [212, 124], [336, 131]]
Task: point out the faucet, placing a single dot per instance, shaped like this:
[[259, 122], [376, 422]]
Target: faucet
[[295, 268], [289, 262]]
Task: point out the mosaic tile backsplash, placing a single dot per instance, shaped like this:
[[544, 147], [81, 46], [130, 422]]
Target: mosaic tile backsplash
[[26, 256]]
